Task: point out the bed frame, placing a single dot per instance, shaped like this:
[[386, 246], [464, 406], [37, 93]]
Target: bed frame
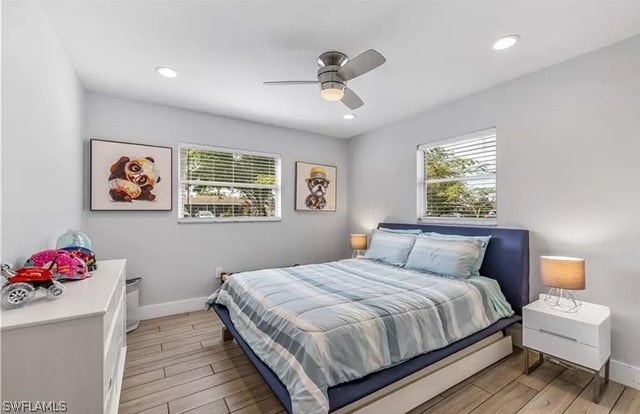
[[405, 386]]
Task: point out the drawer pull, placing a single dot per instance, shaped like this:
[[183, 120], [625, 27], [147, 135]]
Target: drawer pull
[[559, 335]]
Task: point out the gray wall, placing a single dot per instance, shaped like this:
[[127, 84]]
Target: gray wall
[[42, 112], [177, 261], [568, 170]]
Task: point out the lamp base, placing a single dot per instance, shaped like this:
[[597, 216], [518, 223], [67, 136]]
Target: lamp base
[[563, 300], [356, 254]]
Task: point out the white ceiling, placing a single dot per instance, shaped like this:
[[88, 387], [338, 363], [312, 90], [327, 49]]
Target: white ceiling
[[436, 51]]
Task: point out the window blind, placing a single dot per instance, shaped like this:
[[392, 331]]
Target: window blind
[[220, 183], [457, 178]]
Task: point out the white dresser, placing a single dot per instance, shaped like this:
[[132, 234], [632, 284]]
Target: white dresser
[[71, 349]]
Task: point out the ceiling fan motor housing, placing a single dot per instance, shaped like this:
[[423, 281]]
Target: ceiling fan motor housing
[[329, 79], [332, 58], [331, 85]]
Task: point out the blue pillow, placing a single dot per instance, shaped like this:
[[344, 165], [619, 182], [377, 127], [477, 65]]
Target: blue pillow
[[401, 231], [446, 257], [392, 248], [483, 247]]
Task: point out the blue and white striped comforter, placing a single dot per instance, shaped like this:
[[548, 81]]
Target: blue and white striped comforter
[[321, 325]]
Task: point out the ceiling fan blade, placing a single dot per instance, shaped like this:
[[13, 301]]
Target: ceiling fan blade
[[351, 100], [301, 82], [361, 64]]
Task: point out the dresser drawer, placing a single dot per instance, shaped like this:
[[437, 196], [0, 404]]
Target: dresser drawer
[[564, 347], [111, 388], [113, 345], [112, 308], [579, 331]]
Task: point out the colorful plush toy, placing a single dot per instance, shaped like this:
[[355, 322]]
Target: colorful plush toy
[[62, 263]]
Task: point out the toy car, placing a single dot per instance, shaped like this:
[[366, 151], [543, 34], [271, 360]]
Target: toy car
[[21, 285]]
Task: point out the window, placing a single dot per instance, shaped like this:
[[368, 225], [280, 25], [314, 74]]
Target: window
[[457, 179], [221, 184]]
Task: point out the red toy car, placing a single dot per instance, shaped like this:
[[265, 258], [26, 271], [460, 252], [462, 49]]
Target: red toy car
[[20, 287]]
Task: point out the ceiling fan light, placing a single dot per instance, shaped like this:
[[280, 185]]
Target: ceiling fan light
[[332, 91], [332, 94]]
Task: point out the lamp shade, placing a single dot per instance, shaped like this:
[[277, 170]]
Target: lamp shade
[[359, 241], [563, 272]]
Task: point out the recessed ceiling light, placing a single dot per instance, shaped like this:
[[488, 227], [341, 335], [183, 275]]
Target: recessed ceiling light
[[167, 72], [349, 116], [506, 42]]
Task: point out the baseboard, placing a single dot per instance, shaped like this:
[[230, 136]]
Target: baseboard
[[172, 308], [625, 374]]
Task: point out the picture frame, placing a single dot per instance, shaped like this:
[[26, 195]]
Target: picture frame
[[128, 176], [316, 187]]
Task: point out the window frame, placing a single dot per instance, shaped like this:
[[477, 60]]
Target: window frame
[[422, 182], [239, 219]]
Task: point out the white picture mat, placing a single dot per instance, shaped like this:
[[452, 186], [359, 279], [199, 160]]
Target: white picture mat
[[303, 170], [105, 153]]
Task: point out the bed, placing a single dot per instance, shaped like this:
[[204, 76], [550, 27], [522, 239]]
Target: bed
[[405, 385]]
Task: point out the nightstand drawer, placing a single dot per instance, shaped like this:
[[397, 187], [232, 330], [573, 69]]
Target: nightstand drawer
[[564, 347], [539, 316]]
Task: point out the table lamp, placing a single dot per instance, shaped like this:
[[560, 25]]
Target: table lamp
[[359, 242], [563, 275]]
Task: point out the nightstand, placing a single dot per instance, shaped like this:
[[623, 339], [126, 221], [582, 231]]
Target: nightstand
[[582, 338]]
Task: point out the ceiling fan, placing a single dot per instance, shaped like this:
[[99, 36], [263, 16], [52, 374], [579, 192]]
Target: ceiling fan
[[335, 70]]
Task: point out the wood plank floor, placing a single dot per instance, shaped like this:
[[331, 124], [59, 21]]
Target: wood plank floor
[[179, 364]]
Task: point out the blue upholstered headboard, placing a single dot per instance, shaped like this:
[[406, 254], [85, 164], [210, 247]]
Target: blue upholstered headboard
[[506, 259]]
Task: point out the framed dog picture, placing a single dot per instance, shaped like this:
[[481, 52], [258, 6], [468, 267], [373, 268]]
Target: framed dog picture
[[128, 176], [316, 187]]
